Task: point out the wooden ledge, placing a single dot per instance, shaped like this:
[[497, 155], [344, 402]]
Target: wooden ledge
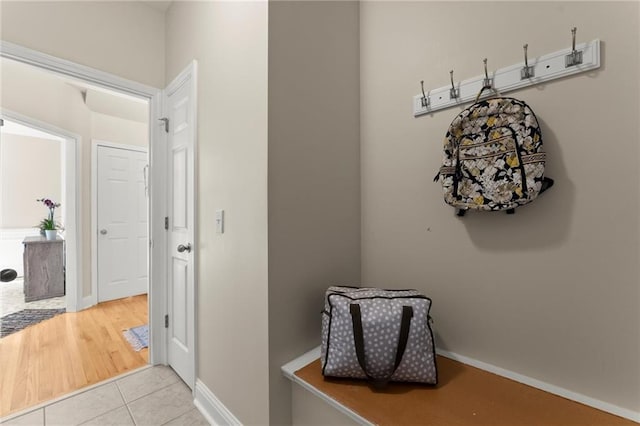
[[465, 395]]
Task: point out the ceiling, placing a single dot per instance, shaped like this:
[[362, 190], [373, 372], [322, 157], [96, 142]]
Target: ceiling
[[117, 105], [109, 102]]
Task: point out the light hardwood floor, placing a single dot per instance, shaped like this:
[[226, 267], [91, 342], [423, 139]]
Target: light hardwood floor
[[69, 352]]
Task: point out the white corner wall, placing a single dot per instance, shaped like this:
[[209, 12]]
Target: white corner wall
[[551, 292], [229, 41]]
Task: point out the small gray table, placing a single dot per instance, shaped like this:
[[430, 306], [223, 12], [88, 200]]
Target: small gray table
[[43, 268]]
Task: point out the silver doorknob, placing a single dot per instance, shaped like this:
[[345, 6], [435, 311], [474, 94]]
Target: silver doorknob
[[183, 248], [103, 231]]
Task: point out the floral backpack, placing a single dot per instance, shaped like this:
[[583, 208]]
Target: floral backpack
[[493, 157]]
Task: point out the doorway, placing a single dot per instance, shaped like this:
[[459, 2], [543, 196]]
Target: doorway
[[82, 337], [151, 97], [68, 195], [34, 159], [159, 181]]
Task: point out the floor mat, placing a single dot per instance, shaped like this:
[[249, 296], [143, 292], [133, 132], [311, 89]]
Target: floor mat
[[22, 319], [12, 299], [138, 337]]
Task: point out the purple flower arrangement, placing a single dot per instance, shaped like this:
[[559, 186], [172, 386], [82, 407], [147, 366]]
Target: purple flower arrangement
[[49, 223]]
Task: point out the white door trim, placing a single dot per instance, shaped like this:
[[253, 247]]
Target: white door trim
[[74, 70], [71, 216], [95, 143], [190, 72], [157, 157]]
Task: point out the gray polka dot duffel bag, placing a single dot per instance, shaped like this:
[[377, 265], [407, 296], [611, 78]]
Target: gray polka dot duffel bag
[[379, 335]]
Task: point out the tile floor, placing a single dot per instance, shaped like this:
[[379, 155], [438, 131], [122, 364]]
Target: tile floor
[[12, 299], [153, 396]]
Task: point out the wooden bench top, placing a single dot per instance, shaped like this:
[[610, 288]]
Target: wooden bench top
[[464, 396]]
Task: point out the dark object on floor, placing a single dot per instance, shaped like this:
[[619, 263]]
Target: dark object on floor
[[22, 319], [7, 275]]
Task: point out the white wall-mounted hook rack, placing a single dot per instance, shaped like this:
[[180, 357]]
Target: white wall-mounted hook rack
[[545, 68]]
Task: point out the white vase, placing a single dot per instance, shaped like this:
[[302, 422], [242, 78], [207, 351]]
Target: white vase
[[51, 234]]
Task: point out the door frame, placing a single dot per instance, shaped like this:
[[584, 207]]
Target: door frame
[[95, 143], [71, 218], [157, 162]]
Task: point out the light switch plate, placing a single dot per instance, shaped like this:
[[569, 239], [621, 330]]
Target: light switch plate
[[219, 221]]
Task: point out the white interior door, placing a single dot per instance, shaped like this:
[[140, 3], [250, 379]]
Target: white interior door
[[122, 223], [180, 111]]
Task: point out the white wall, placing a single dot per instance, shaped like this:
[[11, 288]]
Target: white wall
[[229, 40], [551, 292], [125, 38], [113, 129], [29, 170], [314, 174]]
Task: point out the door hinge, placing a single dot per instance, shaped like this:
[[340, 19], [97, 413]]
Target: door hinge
[[166, 223], [165, 120], [166, 321]]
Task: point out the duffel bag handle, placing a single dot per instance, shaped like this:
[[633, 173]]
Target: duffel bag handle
[[358, 337]]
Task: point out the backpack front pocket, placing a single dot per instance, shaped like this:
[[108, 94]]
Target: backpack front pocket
[[490, 171]]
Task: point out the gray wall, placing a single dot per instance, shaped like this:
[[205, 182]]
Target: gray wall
[[314, 174], [551, 292]]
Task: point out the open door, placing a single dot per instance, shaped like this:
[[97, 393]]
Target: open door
[[179, 121]]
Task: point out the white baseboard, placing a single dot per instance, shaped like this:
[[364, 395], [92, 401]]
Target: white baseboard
[[212, 408], [547, 387], [88, 302]]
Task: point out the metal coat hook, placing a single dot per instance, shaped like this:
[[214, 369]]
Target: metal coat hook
[[527, 71], [453, 92], [425, 99], [487, 83], [575, 57]]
